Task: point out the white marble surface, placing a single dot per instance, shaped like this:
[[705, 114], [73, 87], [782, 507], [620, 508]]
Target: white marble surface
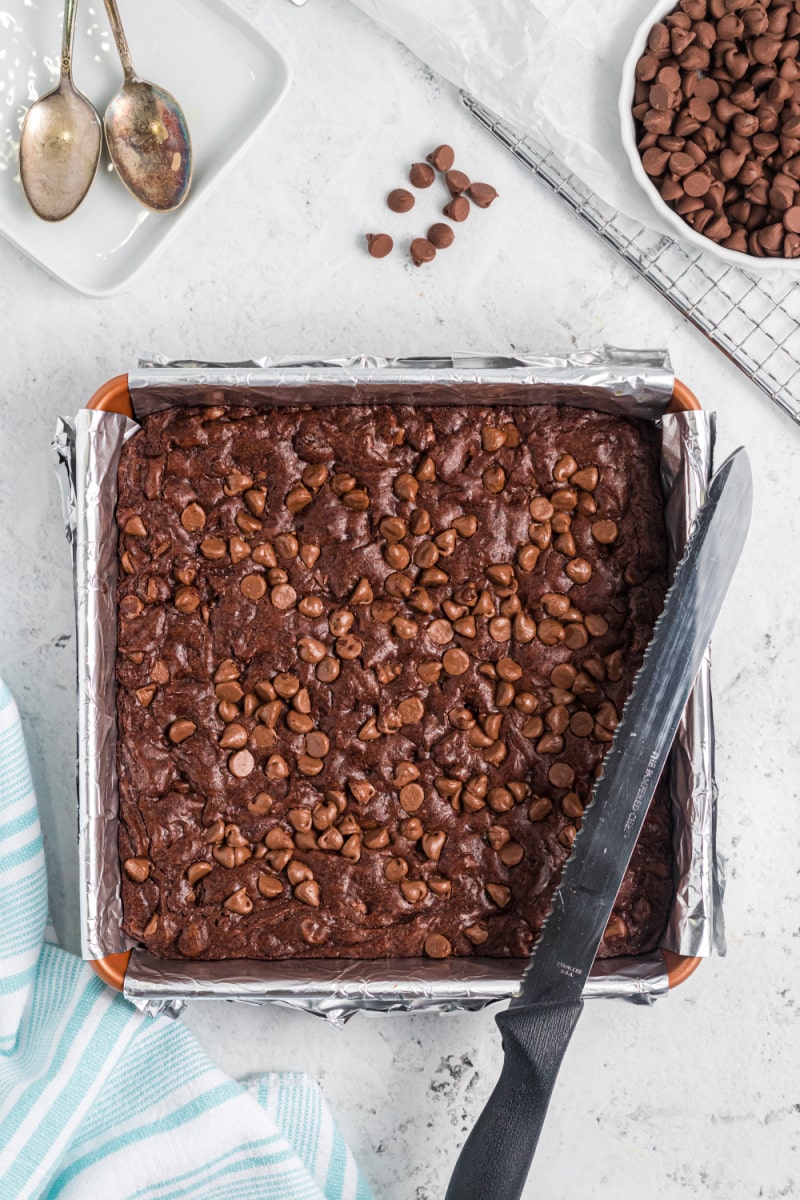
[[696, 1097]]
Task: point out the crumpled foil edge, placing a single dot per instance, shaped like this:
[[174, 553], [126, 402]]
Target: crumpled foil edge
[[696, 923], [87, 454], [608, 377], [87, 451]]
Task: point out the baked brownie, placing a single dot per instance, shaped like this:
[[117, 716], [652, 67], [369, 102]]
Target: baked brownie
[[369, 661]]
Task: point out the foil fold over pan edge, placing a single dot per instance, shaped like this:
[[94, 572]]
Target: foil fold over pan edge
[[98, 441], [163, 987], [606, 377], [696, 923], [394, 985]]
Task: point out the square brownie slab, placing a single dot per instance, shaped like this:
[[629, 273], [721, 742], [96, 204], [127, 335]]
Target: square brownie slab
[[369, 661]]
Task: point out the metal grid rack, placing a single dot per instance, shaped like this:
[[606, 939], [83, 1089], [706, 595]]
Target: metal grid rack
[[754, 320]]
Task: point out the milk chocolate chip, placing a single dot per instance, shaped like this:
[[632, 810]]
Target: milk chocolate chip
[[458, 209], [241, 764], [437, 946], [457, 182], [181, 730], [379, 244], [400, 200], [442, 158], [422, 251], [481, 194], [441, 236], [421, 175], [137, 869], [193, 518]]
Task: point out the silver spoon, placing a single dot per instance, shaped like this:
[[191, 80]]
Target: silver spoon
[[147, 135], [59, 146]]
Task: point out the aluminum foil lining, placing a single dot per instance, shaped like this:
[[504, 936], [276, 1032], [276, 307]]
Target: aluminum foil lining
[[696, 924], [637, 382], [391, 985], [87, 453], [88, 449]]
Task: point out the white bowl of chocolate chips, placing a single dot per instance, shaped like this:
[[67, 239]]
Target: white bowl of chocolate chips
[[710, 118]]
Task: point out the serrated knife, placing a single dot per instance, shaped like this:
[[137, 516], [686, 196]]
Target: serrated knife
[[537, 1026]]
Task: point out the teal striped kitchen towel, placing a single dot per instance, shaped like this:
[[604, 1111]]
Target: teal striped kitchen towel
[[98, 1101]]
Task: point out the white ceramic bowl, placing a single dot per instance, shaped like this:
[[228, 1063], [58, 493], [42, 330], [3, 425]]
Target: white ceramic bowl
[[628, 129]]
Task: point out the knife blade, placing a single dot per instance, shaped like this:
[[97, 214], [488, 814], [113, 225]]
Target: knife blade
[[539, 1022]]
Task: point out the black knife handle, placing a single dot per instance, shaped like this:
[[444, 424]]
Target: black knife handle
[[496, 1157]]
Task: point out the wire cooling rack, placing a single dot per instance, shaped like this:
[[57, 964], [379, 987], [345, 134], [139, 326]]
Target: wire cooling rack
[[754, 320]]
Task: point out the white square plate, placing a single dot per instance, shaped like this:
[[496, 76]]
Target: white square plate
[[227, 77]]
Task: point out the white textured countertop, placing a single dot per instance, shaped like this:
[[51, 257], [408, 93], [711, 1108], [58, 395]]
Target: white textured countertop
[[697, 1096]]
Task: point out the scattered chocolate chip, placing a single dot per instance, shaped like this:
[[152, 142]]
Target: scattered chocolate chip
[[421, 175], [379, 244], [442, 157], [422, 251], [481, 194], [458, 209], [441, 236], [457, 182], [400, 200]]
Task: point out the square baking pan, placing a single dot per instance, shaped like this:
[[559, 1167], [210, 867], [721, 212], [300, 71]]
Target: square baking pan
[[337, 988]]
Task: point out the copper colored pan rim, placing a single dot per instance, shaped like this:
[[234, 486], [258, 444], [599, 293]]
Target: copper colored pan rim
[[114, 396], [112, 968]]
